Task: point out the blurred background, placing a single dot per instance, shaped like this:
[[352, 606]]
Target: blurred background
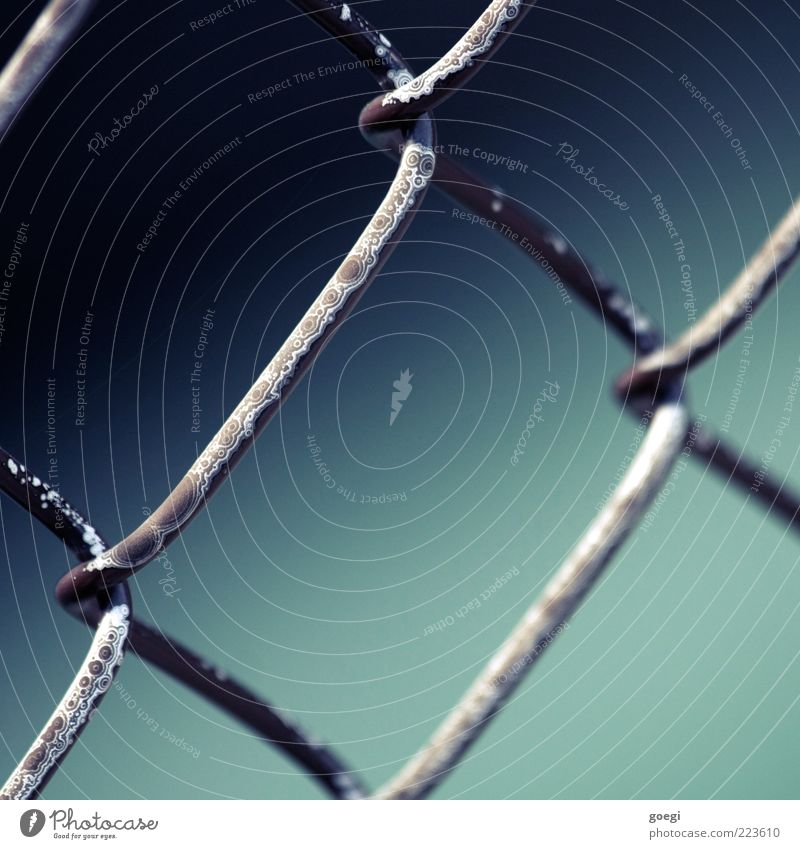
[[329, 572]]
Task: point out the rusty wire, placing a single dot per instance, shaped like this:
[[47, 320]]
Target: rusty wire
[[400, 122]]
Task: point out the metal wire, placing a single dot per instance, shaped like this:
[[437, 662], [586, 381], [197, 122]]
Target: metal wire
[[109, 614], [41, 48], [398, 121]]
